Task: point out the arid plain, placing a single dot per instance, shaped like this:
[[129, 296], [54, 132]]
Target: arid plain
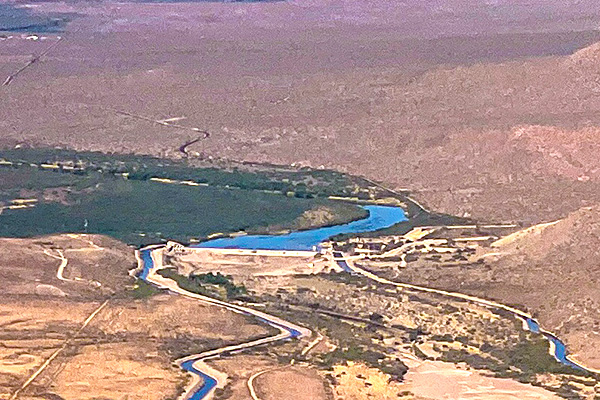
[[444, 102], [483, 110]]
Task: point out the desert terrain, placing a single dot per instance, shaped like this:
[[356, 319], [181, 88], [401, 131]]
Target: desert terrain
[[101, 335], [426, 336], [451, 109], [553, 272], [487, 111], [270, 379], [385, 343], [431, 380], [548, 270], [248, 262]]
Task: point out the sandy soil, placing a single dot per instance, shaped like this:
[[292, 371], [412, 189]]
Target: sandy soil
[[32, 329], [298, 382], [118, 371], [246, 263], [239, 369], [295, 383], [126, 350], [439, 380], [170, 316], [24, 313], [430, 380]]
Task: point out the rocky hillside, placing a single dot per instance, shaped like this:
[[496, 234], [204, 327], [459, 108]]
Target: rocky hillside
[[556, 271], [477, 121]]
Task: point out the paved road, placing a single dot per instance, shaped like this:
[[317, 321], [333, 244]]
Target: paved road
[[63, 264]]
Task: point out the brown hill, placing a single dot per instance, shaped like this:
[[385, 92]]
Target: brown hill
[[96, 266], [362, 87], [552, 270], [503, 140], [558, 269], [586, 59], [572, 154]]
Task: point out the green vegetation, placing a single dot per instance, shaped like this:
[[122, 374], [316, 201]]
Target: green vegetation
[[143, 290], [532, 357], [326, 214], [303, 183], [522, 361], [353, 353], [216, 285], [102, 188], [99, 200], [232, 291], [355, 343], [27, 178]]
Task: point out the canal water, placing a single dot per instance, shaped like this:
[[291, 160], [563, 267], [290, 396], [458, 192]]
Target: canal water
[[380, 217], [560, 350]]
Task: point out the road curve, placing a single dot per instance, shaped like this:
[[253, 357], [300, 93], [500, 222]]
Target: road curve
[[63, 264], [250, 382], [347, 264], [149, 262]]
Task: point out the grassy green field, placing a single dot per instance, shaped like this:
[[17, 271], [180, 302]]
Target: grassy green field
[[141, 211]]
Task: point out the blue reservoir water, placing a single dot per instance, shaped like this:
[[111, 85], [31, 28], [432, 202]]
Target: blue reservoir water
[[146, 256], [380, 217]]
